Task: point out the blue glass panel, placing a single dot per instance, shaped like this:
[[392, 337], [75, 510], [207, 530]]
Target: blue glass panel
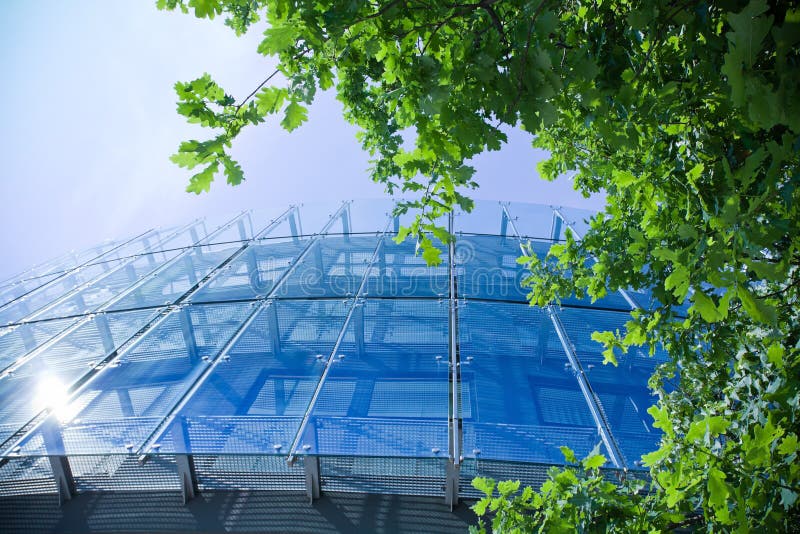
[[487, 268], [45, 379], [386, 391], [253, 273], [401, 272], [308, 219], [16, 341], [26, 307], [333, 267], [362, 216], [487, 217], [532, 221], [520, 400], [622, 390], [255, 399], [176, 278], [14, 290], [577, 219], [118, 279], [123, 405]]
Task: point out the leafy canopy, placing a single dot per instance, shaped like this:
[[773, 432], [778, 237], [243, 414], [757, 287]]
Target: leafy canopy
[[686, 114]]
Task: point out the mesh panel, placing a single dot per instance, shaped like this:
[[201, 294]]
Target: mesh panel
[[403, 476], [176, 278], [333, 267], [16, 341], [487, 268], [124, 472], [14, 290], [109, 286], [126, 402], [253, 273], [27, 306], [525, 401], [386, 392], [44, 380], [400, 272], [26, 476], [238, 472]]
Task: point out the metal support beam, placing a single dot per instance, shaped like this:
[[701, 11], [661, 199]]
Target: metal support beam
[[358, 330], [504, 226], [274, 329], [62, 473], [186, 473], [293, 226], [592, 401], [187, 329], [311, 468], [452, 471], [242, 229], [454, 423], [555, 227], [189, 264], [184, 463], [101, 322]]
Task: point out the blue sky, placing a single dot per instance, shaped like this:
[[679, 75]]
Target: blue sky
[[88, 123]]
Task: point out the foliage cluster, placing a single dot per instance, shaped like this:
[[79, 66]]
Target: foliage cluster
[[685, 113]]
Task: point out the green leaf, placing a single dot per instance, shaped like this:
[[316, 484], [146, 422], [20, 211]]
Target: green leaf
[[717, 489], [569, 455], [788, 445], [484, 485], [296, 115], [653, 458], [507, 487], [278, 38], [661, 419], [749, 30], [202, 180], [232, 171], [756, 307], [705, 307], [206, 8], [594, 461], [270, 99], [678, 282], [431, 255], [775, 355]]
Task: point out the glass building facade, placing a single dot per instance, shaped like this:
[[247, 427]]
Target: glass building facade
[[306, 351]]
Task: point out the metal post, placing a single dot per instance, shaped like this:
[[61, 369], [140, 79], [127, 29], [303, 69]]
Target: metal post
[[62, 473], [455, 424], [311, 468]]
